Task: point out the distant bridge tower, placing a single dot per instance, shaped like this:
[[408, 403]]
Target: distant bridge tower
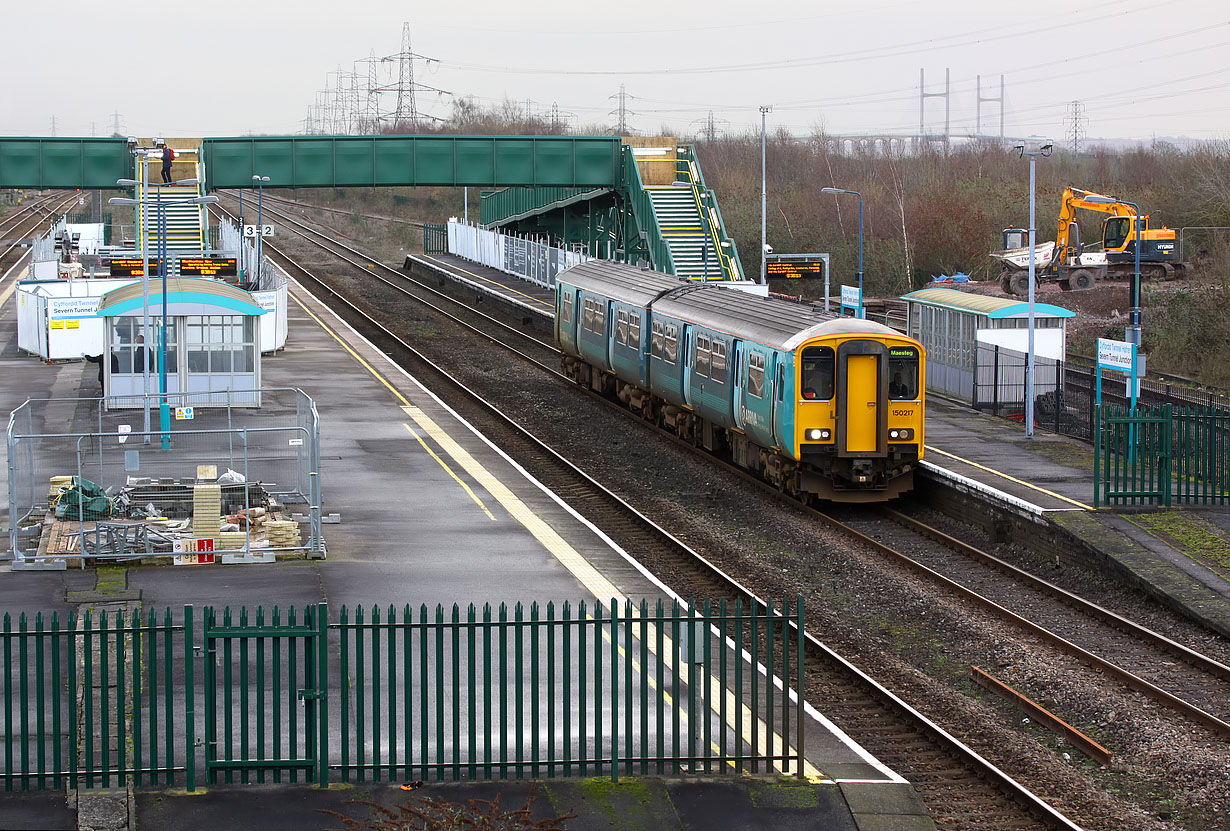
[[989, 99], [923, 95]]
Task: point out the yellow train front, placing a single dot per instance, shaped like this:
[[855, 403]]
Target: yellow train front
[[820, 406], [858, 426]]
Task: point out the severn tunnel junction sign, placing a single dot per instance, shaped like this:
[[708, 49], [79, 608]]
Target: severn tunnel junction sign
[[330, 161]]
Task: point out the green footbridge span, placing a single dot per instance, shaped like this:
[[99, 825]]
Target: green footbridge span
[[612, 200]]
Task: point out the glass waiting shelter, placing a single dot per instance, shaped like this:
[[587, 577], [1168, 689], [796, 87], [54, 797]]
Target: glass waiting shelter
[[212, 342], [976, 344]]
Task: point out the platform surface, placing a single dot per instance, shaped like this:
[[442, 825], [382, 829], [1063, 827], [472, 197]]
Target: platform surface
[[430, 512]]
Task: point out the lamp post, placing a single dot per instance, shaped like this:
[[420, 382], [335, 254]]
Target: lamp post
[[764, 247], [260, 228], [242, 284], [163, 266], [1134, 330], [1032, 147], [836, 191]]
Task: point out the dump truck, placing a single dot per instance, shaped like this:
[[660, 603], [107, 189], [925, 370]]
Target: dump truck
[[1067, 262]]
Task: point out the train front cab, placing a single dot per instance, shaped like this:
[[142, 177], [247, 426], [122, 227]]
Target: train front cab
[[859, 421]]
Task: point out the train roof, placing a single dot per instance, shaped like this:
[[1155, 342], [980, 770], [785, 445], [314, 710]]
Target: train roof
[[620, 281], [770, 321]]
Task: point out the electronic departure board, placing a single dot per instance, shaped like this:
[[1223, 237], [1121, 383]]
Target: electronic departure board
[[202, 267], [132, 267], [795, 269]]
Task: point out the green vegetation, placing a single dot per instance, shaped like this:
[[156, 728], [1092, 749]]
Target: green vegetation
[[925, 214], [1190, 534]]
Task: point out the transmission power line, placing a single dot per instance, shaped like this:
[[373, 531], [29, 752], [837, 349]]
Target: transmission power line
[[406, 87], [1077, 125], [621, 112]]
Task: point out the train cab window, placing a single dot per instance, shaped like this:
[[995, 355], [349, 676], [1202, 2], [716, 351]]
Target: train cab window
[[755, 375], [634, 330], [817, 382], [717, 364], [670, 352], [903, 373], [700, 361], [621, 327]]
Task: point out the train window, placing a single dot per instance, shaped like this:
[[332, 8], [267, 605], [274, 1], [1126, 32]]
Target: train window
[[588, 320], [755, 375], [781, 382], [655, 339], [903, 373], [700, 362], [565, 307], [818, 373], [717, 369], [599, 317], [621, 327], [670, 352], [634, 330]]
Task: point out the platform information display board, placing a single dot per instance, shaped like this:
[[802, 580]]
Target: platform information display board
[[131, 267], [204, 267], [805, 269]]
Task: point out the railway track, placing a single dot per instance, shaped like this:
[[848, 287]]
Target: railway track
[[957, 784], [17, 226]]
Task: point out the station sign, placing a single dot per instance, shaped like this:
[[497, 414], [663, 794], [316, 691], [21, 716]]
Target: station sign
[[1117, 355], [266, 230], [126, 267], [810, 269], [204, 267]]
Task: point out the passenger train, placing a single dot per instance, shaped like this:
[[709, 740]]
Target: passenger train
[[820, 406]]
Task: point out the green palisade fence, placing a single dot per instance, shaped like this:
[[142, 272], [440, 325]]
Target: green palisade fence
[[1162, 456], [435, 239], [98, 700]]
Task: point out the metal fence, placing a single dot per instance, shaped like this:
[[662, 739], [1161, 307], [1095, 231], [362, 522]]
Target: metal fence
[[535, 261], [272, 451], [287, 695], [1162, 455]]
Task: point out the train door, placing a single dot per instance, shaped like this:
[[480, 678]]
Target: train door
[[862, 415], [686, 356], [736, 380]]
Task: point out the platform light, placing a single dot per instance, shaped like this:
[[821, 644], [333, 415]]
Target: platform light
[[836, 191], [1034, 146]]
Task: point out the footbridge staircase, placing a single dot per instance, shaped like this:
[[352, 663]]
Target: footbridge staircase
[[662, 214], [185, 221]]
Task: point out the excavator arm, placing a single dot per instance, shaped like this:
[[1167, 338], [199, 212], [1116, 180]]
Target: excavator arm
[[1072, 199]]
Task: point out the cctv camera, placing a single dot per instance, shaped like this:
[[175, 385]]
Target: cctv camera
[[768, 249]]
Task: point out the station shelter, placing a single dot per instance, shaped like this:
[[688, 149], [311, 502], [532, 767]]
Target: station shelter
[[212, 344], [976, 344]]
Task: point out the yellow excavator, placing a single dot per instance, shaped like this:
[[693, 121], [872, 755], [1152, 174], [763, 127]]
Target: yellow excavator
[[1067, 262]]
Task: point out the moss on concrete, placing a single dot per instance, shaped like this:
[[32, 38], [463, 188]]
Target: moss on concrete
[[1189, 533], [785, 793], [1069, 454]]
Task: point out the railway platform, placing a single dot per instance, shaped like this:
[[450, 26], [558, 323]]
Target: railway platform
[[1041, 487], [430, 512]]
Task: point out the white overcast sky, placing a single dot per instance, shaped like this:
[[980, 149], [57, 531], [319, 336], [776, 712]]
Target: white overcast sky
[[1140, 68]]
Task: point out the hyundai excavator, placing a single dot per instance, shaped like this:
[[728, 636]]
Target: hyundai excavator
[[1067, 262]]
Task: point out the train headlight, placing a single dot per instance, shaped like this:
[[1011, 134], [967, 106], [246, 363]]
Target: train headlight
[[817, 434], [901, 434]]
